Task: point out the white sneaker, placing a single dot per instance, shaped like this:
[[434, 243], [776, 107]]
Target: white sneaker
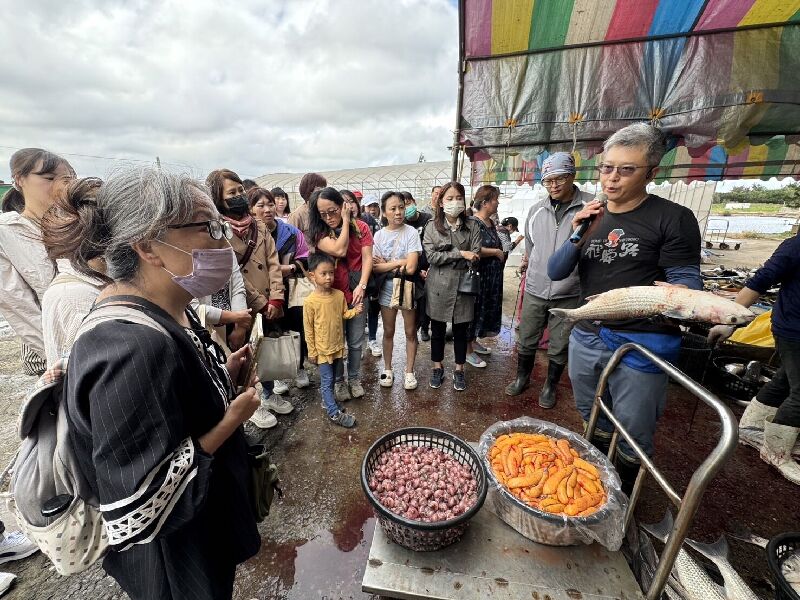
[[263, 419], [387, 378], [410, 382], [376, 348], [280, 387], [277, 404], [302, 380], [6, 579], [14, 545]]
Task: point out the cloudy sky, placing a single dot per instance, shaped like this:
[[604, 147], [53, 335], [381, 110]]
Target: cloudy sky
[[259, 86]]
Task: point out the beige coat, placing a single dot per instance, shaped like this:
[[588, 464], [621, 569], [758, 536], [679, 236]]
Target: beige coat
[[25, 274], [301, 219], [262, 273], [444, 303]]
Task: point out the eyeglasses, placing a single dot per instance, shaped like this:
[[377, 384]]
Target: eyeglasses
[[624, 171], [216, 229], [329, 213], [555, 181]]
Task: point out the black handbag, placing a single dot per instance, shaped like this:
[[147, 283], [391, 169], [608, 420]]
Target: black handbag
[[469, 283]]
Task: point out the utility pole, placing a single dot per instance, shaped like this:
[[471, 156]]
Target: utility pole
[[158, 163]]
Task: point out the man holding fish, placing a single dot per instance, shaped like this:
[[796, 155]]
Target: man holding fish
[[636, 239]]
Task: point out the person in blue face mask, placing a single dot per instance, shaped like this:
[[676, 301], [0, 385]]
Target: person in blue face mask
[[414, 217]]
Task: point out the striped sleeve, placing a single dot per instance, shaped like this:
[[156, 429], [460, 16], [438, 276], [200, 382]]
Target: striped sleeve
[[152, 476]]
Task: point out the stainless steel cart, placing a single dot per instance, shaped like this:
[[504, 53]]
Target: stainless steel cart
[[493, 560]]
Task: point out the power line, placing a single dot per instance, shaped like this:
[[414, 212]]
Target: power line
[[139, 160]]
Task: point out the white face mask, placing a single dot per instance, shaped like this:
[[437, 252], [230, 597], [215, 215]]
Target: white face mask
[[454, 208], [211, 270]]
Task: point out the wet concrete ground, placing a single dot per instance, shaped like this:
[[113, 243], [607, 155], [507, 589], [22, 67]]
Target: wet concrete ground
[[315, 543]]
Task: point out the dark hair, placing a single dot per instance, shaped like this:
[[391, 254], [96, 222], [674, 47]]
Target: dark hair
[[351, 197], [71, 229], [384, 200], [438, 217], [408, 196], [433, 189], [249, 184], [318, 228], [510, 221], [485, 193], [22, 163], [215, 183], [257, 193], [310, 181], [319, 258], [276, 191]]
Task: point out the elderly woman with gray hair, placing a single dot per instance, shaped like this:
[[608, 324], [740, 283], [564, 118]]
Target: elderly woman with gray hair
[[154, 418], [636, 239]]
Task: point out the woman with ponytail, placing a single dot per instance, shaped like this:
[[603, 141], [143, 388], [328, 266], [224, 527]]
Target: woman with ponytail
[[39, 177]]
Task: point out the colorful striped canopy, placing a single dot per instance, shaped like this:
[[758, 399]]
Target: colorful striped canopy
[[721, 77]]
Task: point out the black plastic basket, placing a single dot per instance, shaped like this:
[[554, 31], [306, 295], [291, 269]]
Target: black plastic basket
[[418, 535], [695, 356], [733, 385], [780, 548]]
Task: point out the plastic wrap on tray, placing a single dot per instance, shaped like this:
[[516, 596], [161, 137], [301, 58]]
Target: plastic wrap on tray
[[604, 526]]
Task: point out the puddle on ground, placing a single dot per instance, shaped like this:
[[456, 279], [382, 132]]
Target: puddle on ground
[[327, 566]]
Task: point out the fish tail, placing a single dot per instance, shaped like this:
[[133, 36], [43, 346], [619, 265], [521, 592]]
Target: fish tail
[[661, 530], [714, 552], [562, 313]]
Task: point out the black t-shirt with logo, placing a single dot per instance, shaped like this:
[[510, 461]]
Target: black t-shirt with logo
[[635, 248]]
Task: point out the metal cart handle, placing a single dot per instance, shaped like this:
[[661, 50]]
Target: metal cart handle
[[688, 505]]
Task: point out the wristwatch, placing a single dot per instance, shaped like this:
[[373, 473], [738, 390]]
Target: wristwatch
[[362, 286]]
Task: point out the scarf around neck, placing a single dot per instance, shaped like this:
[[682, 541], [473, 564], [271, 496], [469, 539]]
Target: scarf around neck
[[240, 228]]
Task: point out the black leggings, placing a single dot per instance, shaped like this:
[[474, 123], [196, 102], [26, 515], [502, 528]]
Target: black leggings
[[293, 321], [438, 329]]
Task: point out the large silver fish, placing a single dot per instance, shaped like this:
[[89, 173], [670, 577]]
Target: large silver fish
[[735, 587], [650, 300], [693, 578], [674, 590], [791, 571]]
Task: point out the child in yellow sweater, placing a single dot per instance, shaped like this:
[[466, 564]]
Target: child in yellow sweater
[[323, 311]]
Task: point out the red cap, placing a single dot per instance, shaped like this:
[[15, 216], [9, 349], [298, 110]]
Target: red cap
[[358, 195]]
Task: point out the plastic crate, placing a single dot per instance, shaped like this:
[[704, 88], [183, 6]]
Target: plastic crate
[[779, 549]]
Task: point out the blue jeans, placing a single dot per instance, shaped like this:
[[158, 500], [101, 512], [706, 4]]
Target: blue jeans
[[326, 376], [637, 399], [354, 336]]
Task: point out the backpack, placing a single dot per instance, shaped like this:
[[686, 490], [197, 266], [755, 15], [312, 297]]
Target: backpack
[[49, 494]]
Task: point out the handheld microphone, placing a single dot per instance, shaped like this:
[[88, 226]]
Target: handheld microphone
[[584, 225]]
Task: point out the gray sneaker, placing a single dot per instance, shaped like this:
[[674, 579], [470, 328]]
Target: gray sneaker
[[341, 392], [278, 405], [344, 419], [302, 380], [356, 389]]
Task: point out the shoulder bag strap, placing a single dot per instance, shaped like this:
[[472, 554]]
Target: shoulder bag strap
[[252, 240]]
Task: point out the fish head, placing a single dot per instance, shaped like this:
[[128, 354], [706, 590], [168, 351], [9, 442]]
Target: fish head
[[712, 308], [738, 315]]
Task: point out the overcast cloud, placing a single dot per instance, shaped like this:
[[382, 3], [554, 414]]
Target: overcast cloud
[[258, 86]]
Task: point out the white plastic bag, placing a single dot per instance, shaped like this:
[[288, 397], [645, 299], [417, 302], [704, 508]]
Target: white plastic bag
[[276, 357], [604, 526]]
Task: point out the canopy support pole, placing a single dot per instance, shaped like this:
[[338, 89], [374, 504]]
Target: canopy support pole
[[462, 64]]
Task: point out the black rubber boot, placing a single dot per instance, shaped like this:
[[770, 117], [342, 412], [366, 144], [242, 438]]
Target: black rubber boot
[[524, 368], [547, 397], [627, 471], [603, 444]]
